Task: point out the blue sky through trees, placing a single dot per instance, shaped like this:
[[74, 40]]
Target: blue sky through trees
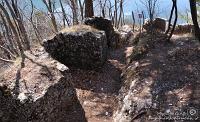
[[163, 8]]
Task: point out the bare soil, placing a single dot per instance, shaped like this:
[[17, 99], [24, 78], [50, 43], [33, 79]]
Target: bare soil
[[174, 70], [169, 74], [98, 90]]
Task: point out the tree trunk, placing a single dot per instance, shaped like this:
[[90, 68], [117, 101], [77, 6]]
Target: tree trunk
[[14, 30], [9, 34], [89, 8], [65, 19], [81, 9], [120, 14], [175, 21], [53, 19], [133, 17], [115, 14], [37, 34], [74, 6], [49, 5], [63, 12], [19, 22], [170, 19], [143, 20], [194, 18]]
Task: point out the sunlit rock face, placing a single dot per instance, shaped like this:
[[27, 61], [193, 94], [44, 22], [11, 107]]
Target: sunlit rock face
[[158, 24], [105, 25], [126, 33], [82, 47], [39, 92], [184, 29]]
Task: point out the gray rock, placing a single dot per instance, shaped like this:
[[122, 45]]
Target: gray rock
[[105, 25], [184, 28], [132, 101], [158, 24], [126, 33], [83, 48], [41, 94]]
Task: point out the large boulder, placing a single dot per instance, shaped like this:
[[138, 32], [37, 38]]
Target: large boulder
[[158, 24], [184, 28], [39, 92], [80, 46], [105, 25]]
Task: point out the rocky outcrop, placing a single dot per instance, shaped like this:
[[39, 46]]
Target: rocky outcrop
[[158, 24], [152, 83], [105, 25], [184, 28], [134, 98], [126, 33], [80, 46], [39, 92]]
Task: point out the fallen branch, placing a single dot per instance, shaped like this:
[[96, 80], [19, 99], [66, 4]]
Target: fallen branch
[[5, 60], [7, 50]]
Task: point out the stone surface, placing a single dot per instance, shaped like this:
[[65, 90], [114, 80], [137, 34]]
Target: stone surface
[[132, 102], [39, 92], [105, 25], [80, 46], [158, 24], [126, 33], [126, 28], [184, 28]]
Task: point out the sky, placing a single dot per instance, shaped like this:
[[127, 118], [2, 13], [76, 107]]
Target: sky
[[164, 6], [130, 5]]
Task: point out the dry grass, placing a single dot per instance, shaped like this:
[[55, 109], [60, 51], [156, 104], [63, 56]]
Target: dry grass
[[78, 28], [75, 28]]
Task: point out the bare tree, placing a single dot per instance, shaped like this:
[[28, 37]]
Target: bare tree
[[102, 7], [50, 5], [8, 35], [151, 9], [110, 6], [133, 17], [74, 6], [11, 25], [194, 18], [37, 34], [120, 13], [81, 6], [89, 12], [175, 21], [170, 19], [65, 19], [13, 8], [143, 20], [116, 14]]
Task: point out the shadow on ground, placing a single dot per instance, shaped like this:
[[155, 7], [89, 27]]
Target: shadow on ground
[[106, 80]]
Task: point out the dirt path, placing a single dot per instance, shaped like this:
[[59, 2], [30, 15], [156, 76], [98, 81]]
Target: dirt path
[[97, 91], [177, 80]]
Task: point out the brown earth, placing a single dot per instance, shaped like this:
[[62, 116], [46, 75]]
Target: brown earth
[[163, 81], [169, 75], [98, 90]]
